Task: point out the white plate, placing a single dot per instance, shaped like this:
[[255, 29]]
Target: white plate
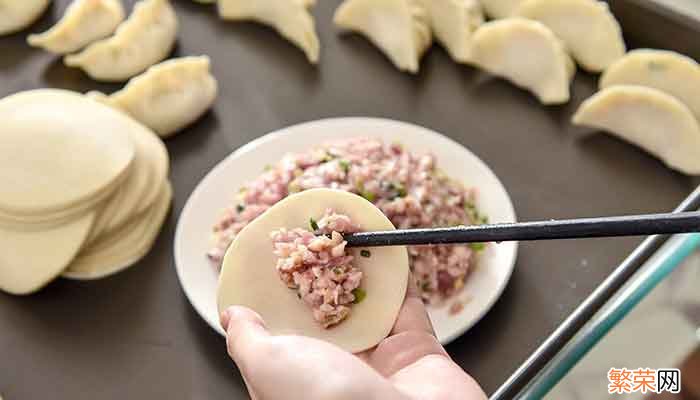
[[218, 190]]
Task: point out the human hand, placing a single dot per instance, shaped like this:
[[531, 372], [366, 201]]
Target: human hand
[[409, 364]]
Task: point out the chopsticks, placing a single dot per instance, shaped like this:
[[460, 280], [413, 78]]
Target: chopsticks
[[633, 225]]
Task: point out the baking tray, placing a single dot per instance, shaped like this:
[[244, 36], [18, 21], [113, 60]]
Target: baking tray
[[135, 336]]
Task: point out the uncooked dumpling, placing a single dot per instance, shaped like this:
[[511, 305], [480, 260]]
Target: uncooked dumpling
[[400, 28], [291, 18], [16, 15], [31, 260], [587, 27], [249, 276], [667, 71], [59, 150], [453, 22], [84, 22], [125, 247], [526, 53], [144, 39], [651, 119], [169, 96], [500, 8]]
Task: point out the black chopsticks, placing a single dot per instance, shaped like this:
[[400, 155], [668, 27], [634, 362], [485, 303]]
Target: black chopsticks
[[633, 225]]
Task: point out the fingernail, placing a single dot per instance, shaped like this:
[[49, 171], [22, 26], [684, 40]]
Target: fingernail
[[225, 318]]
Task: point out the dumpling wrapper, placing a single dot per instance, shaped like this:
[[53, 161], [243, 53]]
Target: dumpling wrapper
[[587, 27], [84, 22], [453, 22], [59, 149], [400, 28], [16, 15], [291, 18], [35, 258], [249, 276], [169, 96], [500, 8], [526, 53], [668, 71], [144, 183], [125, 247], [649, 118], [144, 39]]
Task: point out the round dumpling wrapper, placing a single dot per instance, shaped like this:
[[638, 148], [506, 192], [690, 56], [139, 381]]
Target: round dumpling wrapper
[[36, 258], [59, 149], [126, 246], [249, 276]]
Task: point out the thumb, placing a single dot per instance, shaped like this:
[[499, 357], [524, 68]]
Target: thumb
[[244, 330]]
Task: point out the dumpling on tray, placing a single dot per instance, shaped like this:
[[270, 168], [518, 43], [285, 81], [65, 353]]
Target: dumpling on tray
[[587, 27], [453, 23], [668, 71], [649, 118], [305, 283], [400, 28], [526, 53], [168, 96], [144, 39], [291, 18], [84, 22]]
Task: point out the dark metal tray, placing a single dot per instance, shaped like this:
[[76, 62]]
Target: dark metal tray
[[135, 335]]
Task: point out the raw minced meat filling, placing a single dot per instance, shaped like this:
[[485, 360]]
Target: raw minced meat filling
[[316, 264], [409, 189]]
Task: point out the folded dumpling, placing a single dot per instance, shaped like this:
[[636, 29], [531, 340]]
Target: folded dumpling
[[668, 71], [649, 118], [587, 27], [453, 23], [500, 8], [526, 53], [84, 22], [400, 28], [16, 15], [169, 96], [291, 18], [144, 39]]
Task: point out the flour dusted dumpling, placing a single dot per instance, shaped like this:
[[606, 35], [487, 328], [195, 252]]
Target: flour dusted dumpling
[[453, 22], [500, 8], [526, 53], [144, 39], [651, 119], [668, 71], [84, 22], [291, 18], [400, 28], [587, 27], [384, 272], [16, 15], [169, 96]]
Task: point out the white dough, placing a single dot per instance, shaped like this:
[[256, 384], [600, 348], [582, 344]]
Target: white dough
[[59, 149], [500, 8], [147, 176], [651, 119], [144, 39], [526, 53], [30, 260], [667, 71], [168, 96], [400, 28], [453, 22], [249, 277], [123, 248], [587, 27], [16, 15], [84, 22], [291, 18]]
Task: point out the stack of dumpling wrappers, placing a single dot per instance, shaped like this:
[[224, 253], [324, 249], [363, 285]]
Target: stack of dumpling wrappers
[[84, 189]]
